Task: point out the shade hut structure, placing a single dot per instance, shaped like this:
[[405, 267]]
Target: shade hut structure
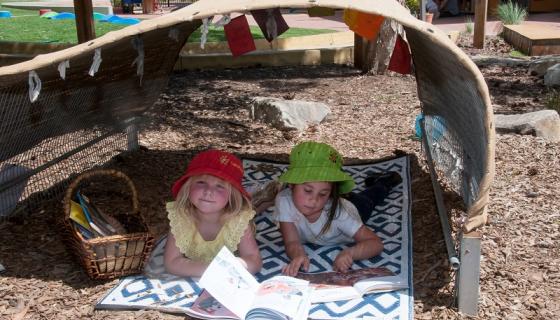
[[86, 99]]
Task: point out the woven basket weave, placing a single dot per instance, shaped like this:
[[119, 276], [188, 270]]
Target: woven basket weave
[[112, 256]]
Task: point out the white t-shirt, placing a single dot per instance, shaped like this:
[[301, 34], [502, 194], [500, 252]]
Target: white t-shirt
[[343, 227]]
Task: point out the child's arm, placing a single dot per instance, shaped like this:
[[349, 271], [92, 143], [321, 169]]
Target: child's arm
[[367, 245], [249, 251], [177, 264], [294, 250]]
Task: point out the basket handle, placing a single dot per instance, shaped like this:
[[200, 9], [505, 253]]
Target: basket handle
[[105, 172]]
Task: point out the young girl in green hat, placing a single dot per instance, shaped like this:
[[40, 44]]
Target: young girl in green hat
[[311, 209]]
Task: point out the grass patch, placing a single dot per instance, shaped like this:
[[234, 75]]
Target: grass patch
[[517, 54], [27, 26], [511, 13]]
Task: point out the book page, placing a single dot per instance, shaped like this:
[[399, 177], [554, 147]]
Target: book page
[[283, 294], [230, 283], [337, 286], [327, 293], [207, 307]]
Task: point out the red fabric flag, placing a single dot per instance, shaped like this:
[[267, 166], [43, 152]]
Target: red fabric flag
[[400, 59], [267, 19], [239, 37]]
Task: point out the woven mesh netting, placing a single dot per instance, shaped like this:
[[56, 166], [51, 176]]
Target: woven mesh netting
[[68, 115]]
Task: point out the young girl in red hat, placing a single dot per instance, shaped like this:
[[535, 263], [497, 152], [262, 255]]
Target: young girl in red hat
[[211, 210], [312, 209]]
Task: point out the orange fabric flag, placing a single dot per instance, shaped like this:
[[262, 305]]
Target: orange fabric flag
[[364, 24], [368, 25], [239, 37], [400, 59]]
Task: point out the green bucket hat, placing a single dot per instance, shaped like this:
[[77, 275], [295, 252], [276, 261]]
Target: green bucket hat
[[314, 161]]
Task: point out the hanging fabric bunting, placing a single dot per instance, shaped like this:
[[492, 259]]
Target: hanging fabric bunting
[[34, 86], [400, 59], [62, 66], [239, 37], [96, 62], [271, 22], [364, 24], [320, 12], [138, 44], [350, 17], [203, 33]]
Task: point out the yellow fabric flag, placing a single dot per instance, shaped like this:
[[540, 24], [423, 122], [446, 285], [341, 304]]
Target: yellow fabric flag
[[350, 17]]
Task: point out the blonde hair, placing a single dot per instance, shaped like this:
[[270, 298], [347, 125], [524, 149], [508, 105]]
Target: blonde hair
[[237, 202]]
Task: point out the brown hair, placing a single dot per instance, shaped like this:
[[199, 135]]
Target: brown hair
[[237, 202], [333, 211]]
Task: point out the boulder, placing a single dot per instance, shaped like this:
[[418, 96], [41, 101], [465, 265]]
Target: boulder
[[540, 66], [544, 123], [288, 114], [552, 76]]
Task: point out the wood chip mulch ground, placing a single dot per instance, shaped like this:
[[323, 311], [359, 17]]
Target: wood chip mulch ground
[[372, 117]]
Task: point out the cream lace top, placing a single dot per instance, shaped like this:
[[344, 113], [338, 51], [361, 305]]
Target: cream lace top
[[192, 245]]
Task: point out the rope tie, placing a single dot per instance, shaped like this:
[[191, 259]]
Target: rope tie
[[138, 44], [203, 32], [96, 62], [62, 66], [34, 86]]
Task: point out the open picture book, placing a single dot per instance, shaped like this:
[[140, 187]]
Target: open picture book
[[231, 292], [338, 286]]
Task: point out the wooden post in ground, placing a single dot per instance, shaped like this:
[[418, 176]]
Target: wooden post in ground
[[480, 12], [84, 20]]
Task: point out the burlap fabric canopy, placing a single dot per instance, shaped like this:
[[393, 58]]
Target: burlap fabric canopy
[[136, 63]]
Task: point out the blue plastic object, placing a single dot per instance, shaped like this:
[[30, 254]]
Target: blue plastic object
[[64, 16], [438, 127], [5, 14], [98, 16], [118, 20], [417, 126]]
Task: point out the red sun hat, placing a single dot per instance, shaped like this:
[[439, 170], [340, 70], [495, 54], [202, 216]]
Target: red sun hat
[[221, 164]]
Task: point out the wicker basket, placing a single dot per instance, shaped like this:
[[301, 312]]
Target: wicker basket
[[112, 256]]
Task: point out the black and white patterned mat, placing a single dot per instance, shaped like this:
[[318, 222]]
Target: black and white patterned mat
[[390, 221]]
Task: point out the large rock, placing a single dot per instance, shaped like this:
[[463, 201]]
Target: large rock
[[552, 76], [288, 114], [544, 123], [540, 66]]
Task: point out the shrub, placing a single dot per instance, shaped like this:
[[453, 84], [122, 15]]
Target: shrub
[[469, 25], [413, 6], [511, 13]]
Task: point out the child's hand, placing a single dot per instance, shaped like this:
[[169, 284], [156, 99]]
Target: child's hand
[[343, 261], [292, 268]]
